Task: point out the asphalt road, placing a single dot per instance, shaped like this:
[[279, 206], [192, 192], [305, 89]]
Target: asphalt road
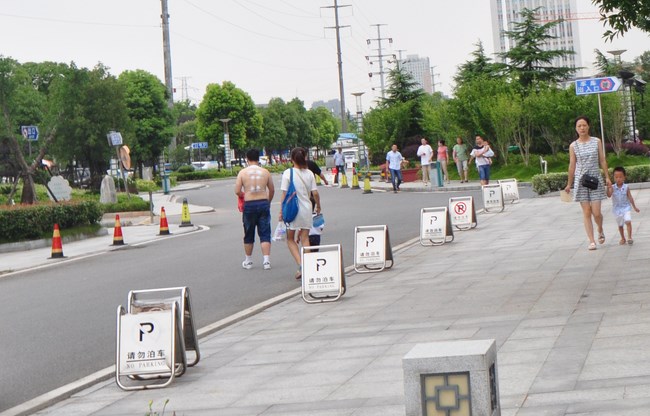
[[58, 324]]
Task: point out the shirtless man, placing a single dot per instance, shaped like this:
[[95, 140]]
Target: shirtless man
[[256, 185]]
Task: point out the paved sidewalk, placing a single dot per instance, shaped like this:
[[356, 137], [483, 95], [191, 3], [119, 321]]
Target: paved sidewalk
[[572, 328]]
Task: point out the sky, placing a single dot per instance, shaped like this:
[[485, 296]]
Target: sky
[[268, 48]]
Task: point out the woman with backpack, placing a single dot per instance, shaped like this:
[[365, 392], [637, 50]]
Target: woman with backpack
[[298, 185]]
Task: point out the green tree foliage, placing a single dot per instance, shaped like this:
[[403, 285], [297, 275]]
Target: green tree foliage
[[150, 118], [92, 103], [622, 15], [479, 67], [527, 62], [227, 101], [402, 88], [20, 103], [325, 127], [438, 119]]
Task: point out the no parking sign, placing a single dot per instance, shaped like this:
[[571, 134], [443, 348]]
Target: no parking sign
[[462, 212]]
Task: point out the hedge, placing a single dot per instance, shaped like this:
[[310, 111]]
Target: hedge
[[551, 182], [26, 222]]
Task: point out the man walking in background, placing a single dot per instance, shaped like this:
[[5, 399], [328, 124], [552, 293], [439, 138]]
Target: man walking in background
[[425, 152], [255, 184], [394, 161], [339, 162]]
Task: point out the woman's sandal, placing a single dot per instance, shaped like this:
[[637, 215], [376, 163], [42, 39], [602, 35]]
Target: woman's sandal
[[592, 246], [630, 241], [298, 275], [622, 242], [601, 238]]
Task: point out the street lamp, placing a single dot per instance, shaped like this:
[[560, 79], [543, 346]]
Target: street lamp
[[226, 142]]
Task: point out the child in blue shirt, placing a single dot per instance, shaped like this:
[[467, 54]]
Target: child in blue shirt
[[622, 204]]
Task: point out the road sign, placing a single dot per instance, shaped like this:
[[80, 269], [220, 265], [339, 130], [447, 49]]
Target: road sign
[[435, 225], [200, 145], [372, 249], [597, 85], [114, 138], [30, 132]]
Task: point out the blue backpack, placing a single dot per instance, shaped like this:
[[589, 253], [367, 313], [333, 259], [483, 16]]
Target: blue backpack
[[290, 202]]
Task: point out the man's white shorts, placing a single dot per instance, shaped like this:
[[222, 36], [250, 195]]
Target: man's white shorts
[[623, 218]]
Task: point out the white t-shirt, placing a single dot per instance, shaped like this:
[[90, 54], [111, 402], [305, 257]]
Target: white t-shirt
[[425, 152], [301, 177]]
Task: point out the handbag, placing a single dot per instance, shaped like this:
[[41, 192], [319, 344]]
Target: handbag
[[240, 202], [290, 202], [589, 181]]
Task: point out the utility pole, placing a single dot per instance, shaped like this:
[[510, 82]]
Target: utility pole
[[337, 27], [380, 58], [433, 79], [167, 54], [184, 89]]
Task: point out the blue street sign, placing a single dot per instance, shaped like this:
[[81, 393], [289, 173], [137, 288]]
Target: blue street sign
[[200, 145], [30, 132], [597, 85]]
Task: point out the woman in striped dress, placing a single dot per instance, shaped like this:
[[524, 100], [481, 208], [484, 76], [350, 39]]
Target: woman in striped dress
[[586, 156]]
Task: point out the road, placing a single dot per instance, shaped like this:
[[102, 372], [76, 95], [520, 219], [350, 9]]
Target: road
[[58, 323]]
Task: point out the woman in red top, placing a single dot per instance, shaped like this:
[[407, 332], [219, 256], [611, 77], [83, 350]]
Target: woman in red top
[[443, 157]]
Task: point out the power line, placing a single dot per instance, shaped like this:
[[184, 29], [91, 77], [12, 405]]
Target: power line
[[303, 16], [273, 22], [76, 22]]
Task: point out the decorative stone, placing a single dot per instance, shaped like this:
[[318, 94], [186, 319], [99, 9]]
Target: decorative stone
[[452, 378], [107, 194], [60, 187]]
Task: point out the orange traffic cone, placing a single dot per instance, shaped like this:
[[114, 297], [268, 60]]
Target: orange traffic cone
[[117, 232], [164, 228], [57, 248]]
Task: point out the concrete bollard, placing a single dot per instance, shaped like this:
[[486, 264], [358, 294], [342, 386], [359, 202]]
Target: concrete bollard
[[452, 378]]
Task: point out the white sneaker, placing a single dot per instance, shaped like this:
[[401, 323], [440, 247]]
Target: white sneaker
[[267, 265], [247, 264]]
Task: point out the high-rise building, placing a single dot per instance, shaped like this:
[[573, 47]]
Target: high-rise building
[[333, 105], [507, 12], [420, 69]]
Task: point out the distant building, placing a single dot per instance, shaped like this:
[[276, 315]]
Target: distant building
[[420, 69], [507, 12], [333, 105]]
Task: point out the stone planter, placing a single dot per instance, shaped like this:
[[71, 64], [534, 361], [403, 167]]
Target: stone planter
[[410, 175]]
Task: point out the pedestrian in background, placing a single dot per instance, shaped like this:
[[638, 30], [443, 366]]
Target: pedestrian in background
[[339, 162], [459, 153], [622, 204], [586, 154], [305, 185], [316, 170], [426, 153], [394, 162], [255, 185], [443, 157], [481, 153]]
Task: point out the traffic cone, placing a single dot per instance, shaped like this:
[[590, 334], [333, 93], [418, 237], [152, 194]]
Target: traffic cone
[[344, 180], [185, 215], [335, 172], [117, 232], [164, 228], [318, 181], [57, 248], [366, 185], [355, 179]]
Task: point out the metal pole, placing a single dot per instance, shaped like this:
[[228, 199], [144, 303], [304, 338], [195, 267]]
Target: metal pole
[[167, 54], [602, 128], [381, 63], [344, 124]]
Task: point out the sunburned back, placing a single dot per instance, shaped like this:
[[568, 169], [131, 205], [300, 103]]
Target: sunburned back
[[255, 180]]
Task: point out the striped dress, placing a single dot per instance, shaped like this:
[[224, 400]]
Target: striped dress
[[587, 162]]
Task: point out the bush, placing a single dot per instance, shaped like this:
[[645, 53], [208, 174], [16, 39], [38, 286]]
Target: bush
[[24, 222], [125, 204], [636, 149], [552, 182], [185, 169]]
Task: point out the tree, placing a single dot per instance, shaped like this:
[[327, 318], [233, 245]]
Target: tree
[[622, 15], [402, 87], [92, 103], [325, 127], [226, 101], [479, 67], [149, 116], [15, 91], [527, 62], [438, 119]]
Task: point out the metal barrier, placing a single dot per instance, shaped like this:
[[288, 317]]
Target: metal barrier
[[139, 300], [323, 277], [372, 249], [463, 212], [154, 335], [492, 198], [435, 226], [510, 190], [149, 346]]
